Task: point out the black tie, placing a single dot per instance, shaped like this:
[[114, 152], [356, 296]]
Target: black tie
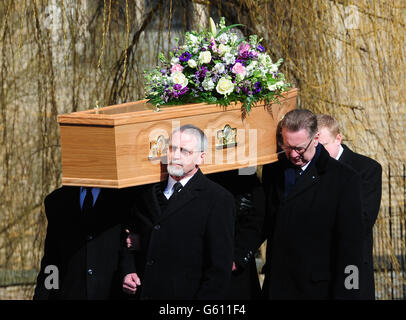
[[176, 188], [88, 202]]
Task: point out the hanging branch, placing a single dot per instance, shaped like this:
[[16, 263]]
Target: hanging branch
[[117, 85]]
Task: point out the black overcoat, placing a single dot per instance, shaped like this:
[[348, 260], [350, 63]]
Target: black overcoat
[[186, 249], [314, 233], [371, 192], [244, 284], [86, 250]]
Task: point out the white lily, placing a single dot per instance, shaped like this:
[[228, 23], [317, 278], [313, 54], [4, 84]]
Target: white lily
[[213, 29]]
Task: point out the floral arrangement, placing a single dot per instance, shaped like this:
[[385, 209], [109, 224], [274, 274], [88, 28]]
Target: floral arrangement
[[216, 66]]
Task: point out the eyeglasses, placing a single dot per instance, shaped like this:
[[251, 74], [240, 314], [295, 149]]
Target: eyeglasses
[[299, 150], [183, 151]]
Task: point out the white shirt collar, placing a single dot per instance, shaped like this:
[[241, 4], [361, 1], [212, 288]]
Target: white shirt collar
[[305, 166], [340, 152], [171, 181]]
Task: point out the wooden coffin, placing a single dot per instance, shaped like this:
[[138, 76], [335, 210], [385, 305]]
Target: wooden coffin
[[124, 145]]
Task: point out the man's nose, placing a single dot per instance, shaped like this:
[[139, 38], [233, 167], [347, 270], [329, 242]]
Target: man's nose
[[293, 153]]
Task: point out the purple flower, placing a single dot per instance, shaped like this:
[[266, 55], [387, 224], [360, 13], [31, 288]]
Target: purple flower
[[201, 74], [184, 90], [258, 87], [185, 57], [260, 48], [252, 54], [164, 71], [177, 86], [242, 61], [245, 90], [244, 55]]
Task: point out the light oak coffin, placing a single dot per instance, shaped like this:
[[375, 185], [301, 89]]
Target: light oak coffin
[[124, 145]]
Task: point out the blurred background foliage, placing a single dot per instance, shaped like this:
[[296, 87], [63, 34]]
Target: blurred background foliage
[[347, 58]]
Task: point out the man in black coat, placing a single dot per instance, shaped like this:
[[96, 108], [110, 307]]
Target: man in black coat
[[84, 240], [313, 221], [370, 172], [186, 229], [249, 200]]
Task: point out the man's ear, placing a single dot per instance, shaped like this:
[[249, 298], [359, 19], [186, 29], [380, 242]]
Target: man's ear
[[201, 158], [338, 138], [316, 139]]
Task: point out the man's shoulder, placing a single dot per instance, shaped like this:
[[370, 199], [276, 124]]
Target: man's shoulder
[[271, 171], [215, 190], [60, 193], [360, 162]]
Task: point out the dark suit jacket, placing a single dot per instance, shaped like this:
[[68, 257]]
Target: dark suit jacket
[[84, 249], [244, 282], [314, 233], [187, 250], [371, 192]]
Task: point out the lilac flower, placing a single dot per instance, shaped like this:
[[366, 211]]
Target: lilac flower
[[244, 55], [243, 47], [252, 54], [164, 71], [260, 48], [185, 57]]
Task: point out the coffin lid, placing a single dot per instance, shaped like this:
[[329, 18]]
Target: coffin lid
[[141, 111]]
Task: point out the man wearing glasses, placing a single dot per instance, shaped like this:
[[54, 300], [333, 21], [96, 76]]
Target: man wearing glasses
[[186, 229], [313, 220]]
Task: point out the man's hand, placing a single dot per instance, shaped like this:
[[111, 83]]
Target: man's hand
[[133, 240], [244, 203], [131, 283]]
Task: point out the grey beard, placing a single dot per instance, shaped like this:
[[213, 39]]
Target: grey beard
[[175, 171]]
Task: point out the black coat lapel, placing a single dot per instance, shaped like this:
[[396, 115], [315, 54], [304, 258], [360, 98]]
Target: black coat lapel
[[311, 175], [151, 201], [308, 179], [187, 194], [346, 156]]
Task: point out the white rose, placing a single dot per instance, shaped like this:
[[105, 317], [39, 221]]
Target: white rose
[[179, 78], [224, 49], [174, 61], [204, 57], [192, 63], [208, 84], [224, 86]]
